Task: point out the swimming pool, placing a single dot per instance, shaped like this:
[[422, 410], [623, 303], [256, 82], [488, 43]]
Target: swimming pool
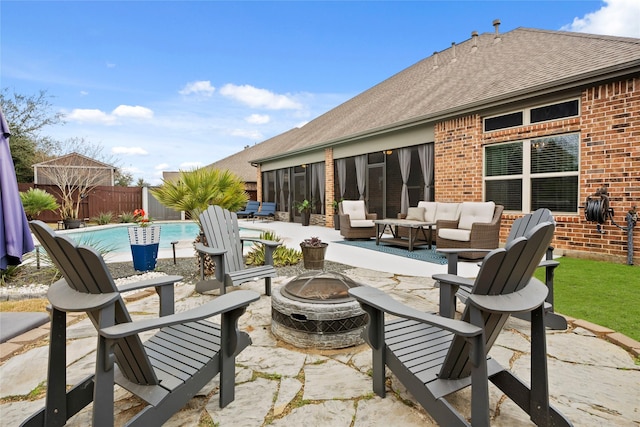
[[115, 238]]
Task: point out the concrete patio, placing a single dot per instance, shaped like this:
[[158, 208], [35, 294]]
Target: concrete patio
[[593, 381]]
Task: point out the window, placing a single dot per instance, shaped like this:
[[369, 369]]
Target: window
[[531, 174], [503, 122], [554, 111], [533, 115]]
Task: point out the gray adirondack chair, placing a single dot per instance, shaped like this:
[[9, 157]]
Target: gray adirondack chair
[[519, 228], [224, 246], [165, 372], [434, 356]]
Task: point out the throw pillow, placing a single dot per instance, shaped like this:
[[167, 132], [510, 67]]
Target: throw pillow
[[416, 214]]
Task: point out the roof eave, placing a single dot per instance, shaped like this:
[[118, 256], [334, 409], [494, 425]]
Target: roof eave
[[573, 82]]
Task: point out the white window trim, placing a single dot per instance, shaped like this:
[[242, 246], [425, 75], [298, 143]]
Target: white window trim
[[526, 176], [526, 115]]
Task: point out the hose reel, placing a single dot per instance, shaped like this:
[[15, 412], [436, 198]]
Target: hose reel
[[597, 209]]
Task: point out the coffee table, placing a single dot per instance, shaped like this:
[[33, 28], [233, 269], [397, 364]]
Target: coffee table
[[415, 229]]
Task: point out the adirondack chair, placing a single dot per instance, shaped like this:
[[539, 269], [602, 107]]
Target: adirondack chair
[[165, 372], [224, 246], [519, 228], [267, 210], [434, 356], [248, 211]]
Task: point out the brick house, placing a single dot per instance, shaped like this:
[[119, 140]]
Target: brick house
[[529, 118]]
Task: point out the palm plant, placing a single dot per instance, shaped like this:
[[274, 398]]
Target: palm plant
[[195, 190], [36, 201]]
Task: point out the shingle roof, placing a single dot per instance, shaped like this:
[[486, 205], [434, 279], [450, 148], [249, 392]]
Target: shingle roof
[[466, 76]]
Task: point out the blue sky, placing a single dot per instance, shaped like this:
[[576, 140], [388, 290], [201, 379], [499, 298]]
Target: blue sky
[[180, 84]]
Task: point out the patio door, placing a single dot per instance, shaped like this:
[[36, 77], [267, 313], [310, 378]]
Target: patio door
[[376, 189], [299, 191]]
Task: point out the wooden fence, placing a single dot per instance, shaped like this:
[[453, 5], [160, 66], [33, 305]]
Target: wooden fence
[[101, 199]]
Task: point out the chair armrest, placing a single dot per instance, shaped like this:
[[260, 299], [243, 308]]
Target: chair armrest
[[524, 300], [62, 297], [449, 286], [401, 215], [371, 216], [270, 243], [443, 223], [153, 282], [164, 288], [209, 250], [548, 264], [221, 304], [379, 300]]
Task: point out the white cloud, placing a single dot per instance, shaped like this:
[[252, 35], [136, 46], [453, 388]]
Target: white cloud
[[161, 166], [259, 98], [247, 133], [615, 18], [90, 116], [202, 87], [258, 119], [136, 112], [84, 93], [129, 150], [111, 65], [186, 166]]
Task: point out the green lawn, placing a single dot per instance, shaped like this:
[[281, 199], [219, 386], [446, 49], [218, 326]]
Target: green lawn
[[603, 293]]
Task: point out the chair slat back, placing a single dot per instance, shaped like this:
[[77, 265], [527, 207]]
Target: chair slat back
[[220, 227], [85, 271], [503, 271], [522, 225]]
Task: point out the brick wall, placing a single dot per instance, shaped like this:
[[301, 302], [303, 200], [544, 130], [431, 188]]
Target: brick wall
[[329, 186], [458, 160], [609, 127]]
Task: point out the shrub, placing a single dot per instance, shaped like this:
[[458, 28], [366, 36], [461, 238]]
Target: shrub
[[36, 201], [127, 217], [282, 256], [103, 218]]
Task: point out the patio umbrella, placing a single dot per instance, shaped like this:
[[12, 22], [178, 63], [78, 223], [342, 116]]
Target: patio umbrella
[[15, 236]]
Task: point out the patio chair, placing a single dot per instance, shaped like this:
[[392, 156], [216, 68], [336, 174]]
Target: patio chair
[[520, 227], [267, 211], [165, 372], [225, 246], [251, 208], [477, 227], [355, 221], [434, 356]]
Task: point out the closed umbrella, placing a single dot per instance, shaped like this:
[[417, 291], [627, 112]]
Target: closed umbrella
[[15, 236]]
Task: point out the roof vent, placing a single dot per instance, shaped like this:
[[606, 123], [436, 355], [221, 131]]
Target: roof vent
[[453, 52], [474, 41], [435, 60], [496, 25]]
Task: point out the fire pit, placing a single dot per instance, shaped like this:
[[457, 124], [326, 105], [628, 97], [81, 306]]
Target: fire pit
[[314, 310]]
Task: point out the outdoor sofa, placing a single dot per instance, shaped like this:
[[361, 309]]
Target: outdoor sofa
[[460, 225]]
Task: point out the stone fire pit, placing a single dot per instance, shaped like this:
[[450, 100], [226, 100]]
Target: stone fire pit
[[314, 310]]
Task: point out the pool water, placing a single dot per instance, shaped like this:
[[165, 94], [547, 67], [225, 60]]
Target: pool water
[[116, 238]]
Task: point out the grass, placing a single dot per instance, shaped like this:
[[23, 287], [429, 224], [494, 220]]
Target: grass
[[603, 293]]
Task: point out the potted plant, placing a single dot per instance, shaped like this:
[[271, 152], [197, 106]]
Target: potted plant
[[144, 240], [313, 251], [336, 215], [304, 208]]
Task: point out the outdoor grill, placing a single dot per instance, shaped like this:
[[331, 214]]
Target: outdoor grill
[[314, 310]]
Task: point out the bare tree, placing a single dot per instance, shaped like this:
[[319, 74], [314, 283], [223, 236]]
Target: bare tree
[[77, 173]]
